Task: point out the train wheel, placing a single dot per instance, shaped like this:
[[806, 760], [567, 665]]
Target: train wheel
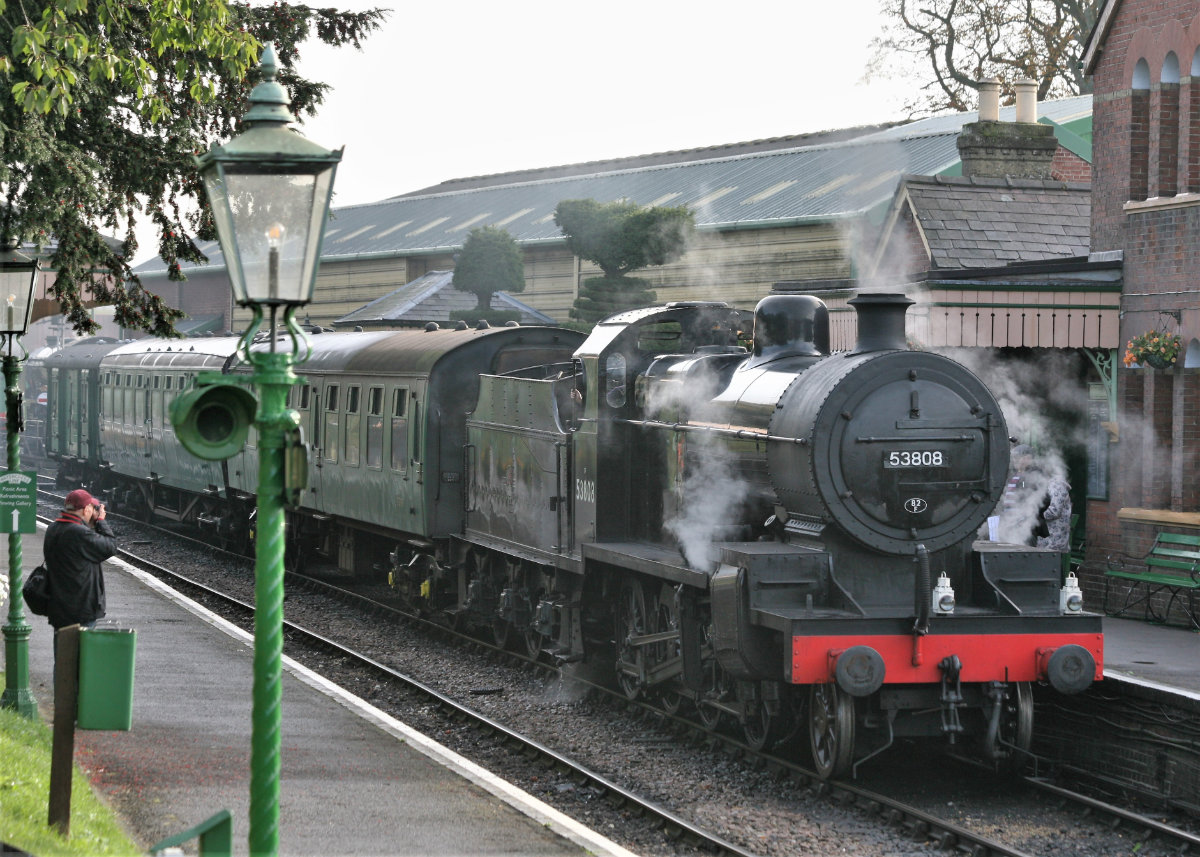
[[495, 576], [1016, 729], [533, 587], [717, 687], [763, 728], [666, 612], [503, 633], [630, 623], [831, 729]]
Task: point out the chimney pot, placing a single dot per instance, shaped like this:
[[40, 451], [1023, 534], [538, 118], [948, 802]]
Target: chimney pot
[[989, 100], [1026, 101]]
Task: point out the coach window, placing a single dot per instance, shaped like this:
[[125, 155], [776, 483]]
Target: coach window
[[353, 426], [375, 427], [116, 409], [400, 429], [331, 423], [312, 400], [130, 402], [106, 399]]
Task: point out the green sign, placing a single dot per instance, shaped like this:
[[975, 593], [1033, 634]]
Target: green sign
[[18, 503]]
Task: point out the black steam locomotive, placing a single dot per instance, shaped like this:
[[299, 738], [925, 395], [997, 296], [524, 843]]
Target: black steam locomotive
[[779, 537]]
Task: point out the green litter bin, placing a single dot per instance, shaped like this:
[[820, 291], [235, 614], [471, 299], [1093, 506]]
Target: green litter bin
[[106, 678]]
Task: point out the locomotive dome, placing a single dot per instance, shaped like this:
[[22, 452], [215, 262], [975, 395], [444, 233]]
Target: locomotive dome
[[790, 326]]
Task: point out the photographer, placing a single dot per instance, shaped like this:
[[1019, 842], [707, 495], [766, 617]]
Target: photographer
[[75, 545]]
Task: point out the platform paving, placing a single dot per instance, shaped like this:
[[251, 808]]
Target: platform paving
[[355, 781]]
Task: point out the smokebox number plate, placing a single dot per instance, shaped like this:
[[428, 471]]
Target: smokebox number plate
[[915, 458]]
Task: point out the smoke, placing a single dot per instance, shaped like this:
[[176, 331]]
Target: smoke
[[710, 501], [1030, 393]]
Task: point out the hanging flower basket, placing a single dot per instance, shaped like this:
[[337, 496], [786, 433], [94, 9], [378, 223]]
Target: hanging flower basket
[[1155, 348]]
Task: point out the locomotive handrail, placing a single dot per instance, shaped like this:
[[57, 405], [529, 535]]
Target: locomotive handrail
[[741, 434], [908, 438]]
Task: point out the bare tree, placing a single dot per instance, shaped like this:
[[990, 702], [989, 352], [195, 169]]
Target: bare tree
[[952, 44]]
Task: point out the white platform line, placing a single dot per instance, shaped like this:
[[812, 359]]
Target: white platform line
[[520, 800]]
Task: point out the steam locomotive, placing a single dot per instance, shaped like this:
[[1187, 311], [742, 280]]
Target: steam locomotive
[[778, 538]]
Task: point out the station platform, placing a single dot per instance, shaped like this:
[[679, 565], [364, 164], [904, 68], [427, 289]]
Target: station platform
[[355, 781]]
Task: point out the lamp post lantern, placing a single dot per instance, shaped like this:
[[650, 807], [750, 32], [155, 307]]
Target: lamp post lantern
[[269, 189], [18, 278]]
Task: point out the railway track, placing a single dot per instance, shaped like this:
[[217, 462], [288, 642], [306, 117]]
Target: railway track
[[912, 821]]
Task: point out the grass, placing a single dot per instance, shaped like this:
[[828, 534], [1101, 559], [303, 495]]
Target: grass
[[25, 794]]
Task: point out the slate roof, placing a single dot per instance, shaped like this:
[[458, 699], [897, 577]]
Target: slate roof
[[430, 298], [985, 222], [759, 189]]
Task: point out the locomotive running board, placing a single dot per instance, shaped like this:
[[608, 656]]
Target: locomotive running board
[[646, 558], [566, 562]]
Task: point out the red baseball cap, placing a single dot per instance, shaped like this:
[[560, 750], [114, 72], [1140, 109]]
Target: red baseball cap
[[79, 499]]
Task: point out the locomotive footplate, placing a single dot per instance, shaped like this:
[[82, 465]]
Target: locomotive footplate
[[655, 560]]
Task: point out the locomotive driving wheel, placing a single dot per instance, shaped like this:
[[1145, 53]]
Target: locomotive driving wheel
[[534, 585], [831, 729], [666, 613], [1010, 750], [764, 727], [717, 686], [631, 622]]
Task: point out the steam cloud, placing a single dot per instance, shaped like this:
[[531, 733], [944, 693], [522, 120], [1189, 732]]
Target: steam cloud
[[1028, 391], [712, 498]]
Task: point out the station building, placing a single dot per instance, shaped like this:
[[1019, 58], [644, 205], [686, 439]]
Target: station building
[[1144, 60]]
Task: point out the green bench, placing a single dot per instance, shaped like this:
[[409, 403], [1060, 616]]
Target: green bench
[[1171, 565]]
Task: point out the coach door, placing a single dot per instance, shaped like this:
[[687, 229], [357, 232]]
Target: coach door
[[308, 400]]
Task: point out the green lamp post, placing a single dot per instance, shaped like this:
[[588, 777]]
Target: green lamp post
[[269, 189], [18, 278]]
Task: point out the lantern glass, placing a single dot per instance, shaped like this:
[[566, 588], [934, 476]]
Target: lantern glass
[[18, 276], [270, 220]]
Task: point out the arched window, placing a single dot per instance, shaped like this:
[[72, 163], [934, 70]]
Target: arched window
[[1191, 357], [1168, 127], [1139, 132], [1192, 123]]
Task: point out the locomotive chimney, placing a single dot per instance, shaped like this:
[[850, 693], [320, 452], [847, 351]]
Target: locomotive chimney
[[880, 322]]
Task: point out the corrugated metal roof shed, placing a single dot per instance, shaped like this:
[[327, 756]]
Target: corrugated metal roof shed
[[758, 190], [431, 298]]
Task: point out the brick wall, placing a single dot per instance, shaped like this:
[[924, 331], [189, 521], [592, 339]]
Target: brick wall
[[1069, 167]]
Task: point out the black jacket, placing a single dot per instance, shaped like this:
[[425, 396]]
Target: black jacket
[[73, 553]]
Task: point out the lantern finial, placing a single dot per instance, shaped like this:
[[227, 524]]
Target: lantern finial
[[269, 100]]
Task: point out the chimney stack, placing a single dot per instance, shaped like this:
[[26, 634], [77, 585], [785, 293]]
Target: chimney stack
[[990, 148], [1026, 100], [989, 100]]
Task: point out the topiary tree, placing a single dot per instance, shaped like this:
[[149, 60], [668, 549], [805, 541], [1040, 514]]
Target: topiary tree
[[105, 105], [620, 237], [490, 262]]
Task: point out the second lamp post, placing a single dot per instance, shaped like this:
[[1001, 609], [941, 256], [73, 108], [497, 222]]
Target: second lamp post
[[269, 189]]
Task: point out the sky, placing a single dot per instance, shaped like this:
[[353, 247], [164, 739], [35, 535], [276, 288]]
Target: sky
[[476, 87], [447, 90]]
